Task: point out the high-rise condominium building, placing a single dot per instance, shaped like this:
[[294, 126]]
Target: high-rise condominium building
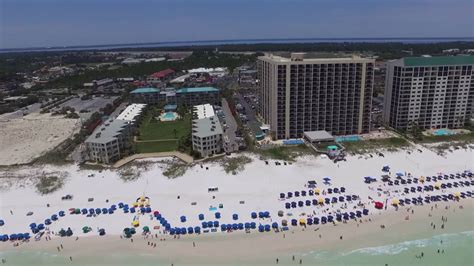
[[429, 92], [301, 94]]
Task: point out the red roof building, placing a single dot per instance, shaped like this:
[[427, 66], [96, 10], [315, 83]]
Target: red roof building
[[162, 74]]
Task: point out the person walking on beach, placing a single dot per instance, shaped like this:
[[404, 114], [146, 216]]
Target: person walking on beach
[[277, 261], [293, 257], [194, 244], [301, 261], [70, 258]]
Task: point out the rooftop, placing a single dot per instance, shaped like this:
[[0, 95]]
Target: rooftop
[[131, 112], [320, 135], [317, 59], [203, 111], [206, 127], [108, 131], [439, 60], [145, 90], [192, 90], [162, 73]]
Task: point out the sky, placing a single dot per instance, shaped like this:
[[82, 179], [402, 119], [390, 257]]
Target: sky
[[39, 23]]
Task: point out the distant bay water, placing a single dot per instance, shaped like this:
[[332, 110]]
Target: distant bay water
[[235, 41]]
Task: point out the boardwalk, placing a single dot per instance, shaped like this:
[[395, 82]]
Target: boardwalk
[[184, 157]]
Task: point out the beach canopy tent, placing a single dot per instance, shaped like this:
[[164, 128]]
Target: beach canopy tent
[[385, 178], [312, 183], [327, 179], [386, 169], [399, 174], [378, 205]]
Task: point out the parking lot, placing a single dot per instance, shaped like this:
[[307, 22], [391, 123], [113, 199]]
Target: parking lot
[[230, 126], [248, 113], [92, 105]]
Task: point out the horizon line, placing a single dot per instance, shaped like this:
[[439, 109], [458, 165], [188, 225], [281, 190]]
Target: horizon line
[[197, 42]]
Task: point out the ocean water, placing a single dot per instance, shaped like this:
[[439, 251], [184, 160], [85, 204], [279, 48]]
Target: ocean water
[[457, 247], [458, 250]]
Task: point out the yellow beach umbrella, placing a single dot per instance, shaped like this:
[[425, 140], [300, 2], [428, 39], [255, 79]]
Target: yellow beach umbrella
[[457, 194], [437, 185], [317, 191], [320, 200], [395, 201], [422, 179], [302, 221], [142, 198], [135, 223]]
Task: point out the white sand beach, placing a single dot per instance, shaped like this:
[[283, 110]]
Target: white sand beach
[[257, 188]]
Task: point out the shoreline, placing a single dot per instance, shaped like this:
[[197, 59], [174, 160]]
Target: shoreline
[[270, 245]]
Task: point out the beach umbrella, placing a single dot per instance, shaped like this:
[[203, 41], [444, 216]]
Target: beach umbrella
[[210, 224], [284, 223], [261, 228], [282, 195], [395, 201], [334, 200], [327, 200], [253, 225], [338, 216], [201, 217], [261, 215], [297, 193], [437, 185], [190, 230], [98, 210], [314, 202], [316, 220], [183, 230], [289, 194], [330, 218], [300, 203], [321, 200], [183, 219], [308, 203], [287, 205], [365, 211], [303, 193], [217, 215], [324, 220], [235, 216], [69, 231], [146, 229], [54, 217], [235, 226], [61, 213], [302, 221], [32, 225], [132, 210], [197, 229], [294, 222], [293, 204], [422, 179], [317, 191], [47, 222], [254, 215], [266, 214], [311, 192], [274, 225], [40, 227], [358, 213], [280, 213], [136, 223], [247, 225], [148, 210], [87, 229], [378, 205], [241, 226], [309, 221], [329, 190], [341, 198], [343, 189], [204, 225], [267, 227]]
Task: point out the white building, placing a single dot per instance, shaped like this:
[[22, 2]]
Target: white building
[[429, 92], [108, 142], [207, 131]]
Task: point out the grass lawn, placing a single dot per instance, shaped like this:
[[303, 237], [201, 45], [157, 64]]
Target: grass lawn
[[285, 153], [161, 136], [150, 129], [158, 146], [363, 146], [469, 137]]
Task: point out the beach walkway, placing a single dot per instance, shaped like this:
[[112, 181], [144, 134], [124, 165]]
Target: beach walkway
[[184, 157]]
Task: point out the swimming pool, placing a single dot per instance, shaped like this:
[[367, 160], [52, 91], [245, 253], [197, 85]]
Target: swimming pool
[[169, 116], [352, 138], [443, 132]]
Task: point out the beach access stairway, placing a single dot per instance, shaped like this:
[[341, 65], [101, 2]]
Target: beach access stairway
[[182, 156]]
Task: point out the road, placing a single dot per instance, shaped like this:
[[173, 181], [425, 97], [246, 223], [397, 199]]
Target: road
[[252, 123], [230, 142]]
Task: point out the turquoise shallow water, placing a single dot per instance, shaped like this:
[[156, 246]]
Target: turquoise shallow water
[[458, 250]]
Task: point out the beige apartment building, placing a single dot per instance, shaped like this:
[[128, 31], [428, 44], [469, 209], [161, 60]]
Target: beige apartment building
[[300, 94]]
